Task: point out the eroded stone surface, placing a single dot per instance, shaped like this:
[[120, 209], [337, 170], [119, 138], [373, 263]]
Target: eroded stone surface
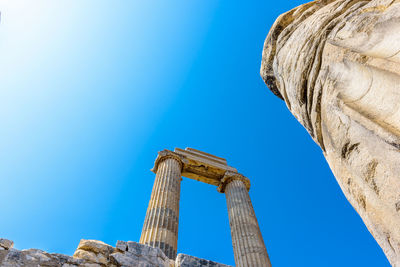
[[160, 227], [184, 260], [247, 241], [6, 244], [35, 258], [202, 166], [93, 253], [336, 64]]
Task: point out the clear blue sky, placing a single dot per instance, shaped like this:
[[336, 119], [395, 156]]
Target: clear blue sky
[[91, 90]]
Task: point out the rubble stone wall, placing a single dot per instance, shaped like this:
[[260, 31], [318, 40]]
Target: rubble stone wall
[[93, 253]]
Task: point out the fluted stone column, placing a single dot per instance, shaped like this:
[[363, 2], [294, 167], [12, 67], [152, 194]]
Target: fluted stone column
[[160, 228], [248, 244]]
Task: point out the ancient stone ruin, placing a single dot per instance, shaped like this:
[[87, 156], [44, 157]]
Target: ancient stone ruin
[[159, 239], [93, 253], [336, 64], [160, 228]]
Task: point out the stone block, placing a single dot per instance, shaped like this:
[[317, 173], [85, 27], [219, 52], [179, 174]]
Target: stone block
[[155, 252], [29, 258], [91, 256], [138, 249], [6, 244], [121, 245], [85, 255], [121, 259], [202, 166], [95, 246], [36, 254], [65, 259], [183, 260]]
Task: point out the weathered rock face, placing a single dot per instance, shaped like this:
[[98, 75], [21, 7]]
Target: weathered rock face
[[6, 244], [93, 253], [336, 64], [183, 260]]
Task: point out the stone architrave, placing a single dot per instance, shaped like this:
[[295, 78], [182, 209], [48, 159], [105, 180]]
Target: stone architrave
[[160, 228], [247, 241], [336, 64]]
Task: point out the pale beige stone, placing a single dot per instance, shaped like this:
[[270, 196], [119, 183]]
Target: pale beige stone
[[336, 64], [6, 244], [95, 246], [202, 166], [90, 256], [93, 251]]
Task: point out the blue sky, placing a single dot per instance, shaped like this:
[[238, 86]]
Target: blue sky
[[91, 90]]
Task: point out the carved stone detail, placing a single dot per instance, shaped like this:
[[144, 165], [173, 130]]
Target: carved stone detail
[[165, 154], [229, 177]]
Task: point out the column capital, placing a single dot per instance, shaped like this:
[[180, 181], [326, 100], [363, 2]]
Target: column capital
[[167, 154], [231, 176]]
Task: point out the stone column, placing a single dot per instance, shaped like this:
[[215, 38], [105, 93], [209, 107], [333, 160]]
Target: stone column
[[248, 244], [160, 228]]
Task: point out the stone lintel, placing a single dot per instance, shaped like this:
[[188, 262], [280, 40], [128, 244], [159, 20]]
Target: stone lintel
[[202, 166]]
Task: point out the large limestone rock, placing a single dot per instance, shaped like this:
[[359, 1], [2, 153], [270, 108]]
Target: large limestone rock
[[94, 251], [336, 64]]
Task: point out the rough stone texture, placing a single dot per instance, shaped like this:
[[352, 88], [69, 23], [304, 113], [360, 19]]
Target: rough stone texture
[[336, 64], [202, 166], [247, 241], [6, 244], [184, 260], [93, 253], [36, 257], [160, 228], [131, 253]]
